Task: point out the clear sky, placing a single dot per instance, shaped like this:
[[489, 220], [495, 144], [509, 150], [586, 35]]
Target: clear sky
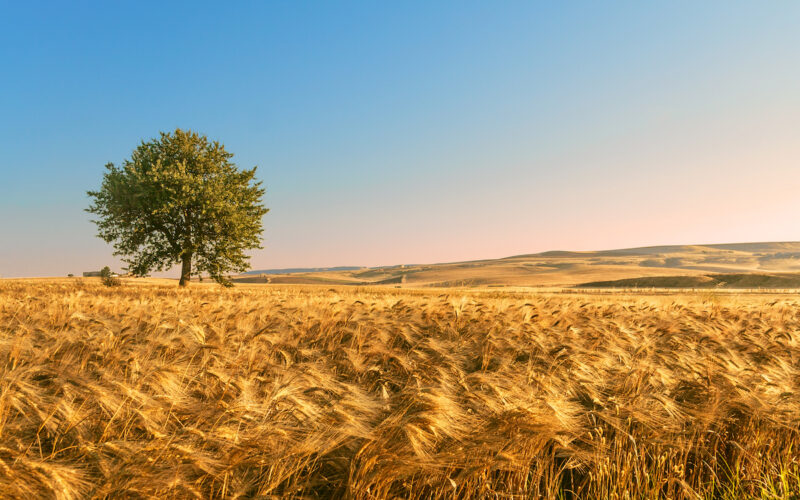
[[412, 132]]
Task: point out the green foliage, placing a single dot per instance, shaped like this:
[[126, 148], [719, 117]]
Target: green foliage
[[108, 277], [180, 199]]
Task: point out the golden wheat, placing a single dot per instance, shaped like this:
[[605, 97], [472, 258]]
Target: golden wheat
[[148, 391]]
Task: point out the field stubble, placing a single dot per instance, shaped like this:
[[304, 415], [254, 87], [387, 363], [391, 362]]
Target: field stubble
[[148, 391]]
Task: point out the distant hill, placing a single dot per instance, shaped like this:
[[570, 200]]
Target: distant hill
[[661, 265], [754, 280], [294, 270]]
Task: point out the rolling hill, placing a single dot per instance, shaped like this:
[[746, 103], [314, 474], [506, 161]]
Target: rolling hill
[[768, 265]]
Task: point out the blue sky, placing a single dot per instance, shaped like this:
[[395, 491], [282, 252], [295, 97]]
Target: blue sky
[[399, 132]]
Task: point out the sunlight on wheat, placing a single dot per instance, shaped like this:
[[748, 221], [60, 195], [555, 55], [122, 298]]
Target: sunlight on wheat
[[378, 393]]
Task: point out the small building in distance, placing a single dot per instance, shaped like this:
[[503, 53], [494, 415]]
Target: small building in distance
[[99, 274]]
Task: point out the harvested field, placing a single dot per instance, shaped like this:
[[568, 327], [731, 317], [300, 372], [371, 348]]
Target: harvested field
[[278, 391], [749, 281]]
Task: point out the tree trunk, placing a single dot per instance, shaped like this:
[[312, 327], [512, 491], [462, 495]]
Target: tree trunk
[[186, 269]]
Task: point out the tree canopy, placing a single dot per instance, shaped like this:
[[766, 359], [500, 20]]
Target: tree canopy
[[180, 199]]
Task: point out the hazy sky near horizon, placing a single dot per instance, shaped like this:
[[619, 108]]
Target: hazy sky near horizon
[[412, 132]]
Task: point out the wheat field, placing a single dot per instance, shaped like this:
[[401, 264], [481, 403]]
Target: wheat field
[[147, 391]]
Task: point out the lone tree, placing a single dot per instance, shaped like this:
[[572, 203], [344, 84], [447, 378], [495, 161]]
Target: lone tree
[[180, 199]]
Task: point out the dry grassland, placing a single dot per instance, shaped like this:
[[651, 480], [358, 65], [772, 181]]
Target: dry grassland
[[746, 265], [149, 391]]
